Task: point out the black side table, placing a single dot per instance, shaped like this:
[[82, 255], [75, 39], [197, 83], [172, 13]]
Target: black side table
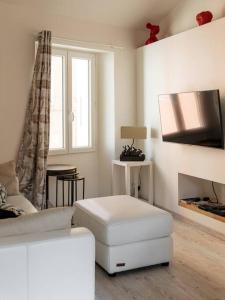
[[72, 181], [57, 170]]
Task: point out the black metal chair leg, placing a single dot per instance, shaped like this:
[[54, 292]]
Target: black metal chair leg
[[47, 191], [56, 199], [68, 193], [72, 193], [63, 192], [75, 190], [83, 188]]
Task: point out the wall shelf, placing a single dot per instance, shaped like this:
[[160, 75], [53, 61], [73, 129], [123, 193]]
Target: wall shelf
[[195, 208], [190, 187]]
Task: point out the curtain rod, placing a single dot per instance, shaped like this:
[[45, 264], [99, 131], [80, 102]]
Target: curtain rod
[[111, 46], [75, 43]]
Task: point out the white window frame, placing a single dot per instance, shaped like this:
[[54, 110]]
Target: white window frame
[[67, 82], [64, 150]]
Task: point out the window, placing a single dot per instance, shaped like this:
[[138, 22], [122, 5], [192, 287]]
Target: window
[[72, 102]]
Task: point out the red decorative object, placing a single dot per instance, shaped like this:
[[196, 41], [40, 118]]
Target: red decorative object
[[204, 17], [154, 29]]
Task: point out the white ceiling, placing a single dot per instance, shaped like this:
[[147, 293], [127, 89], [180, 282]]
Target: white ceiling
[[123, 13]]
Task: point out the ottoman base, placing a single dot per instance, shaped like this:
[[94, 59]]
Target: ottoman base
[[125, 257]]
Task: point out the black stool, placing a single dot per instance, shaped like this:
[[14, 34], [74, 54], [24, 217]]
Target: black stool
[[72, 188], [54, 171]]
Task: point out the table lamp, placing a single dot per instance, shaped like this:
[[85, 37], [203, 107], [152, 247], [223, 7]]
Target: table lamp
[[130, 153]]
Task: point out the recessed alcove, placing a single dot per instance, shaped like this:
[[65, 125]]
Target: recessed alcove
[[197, 193]]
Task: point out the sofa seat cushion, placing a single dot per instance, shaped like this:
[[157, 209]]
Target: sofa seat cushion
[[46, 220], [118, 220], [21, 202]]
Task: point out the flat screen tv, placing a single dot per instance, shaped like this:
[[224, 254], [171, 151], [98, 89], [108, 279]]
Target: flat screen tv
[[192, 118]]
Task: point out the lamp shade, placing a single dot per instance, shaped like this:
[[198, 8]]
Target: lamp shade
[[130, 132]]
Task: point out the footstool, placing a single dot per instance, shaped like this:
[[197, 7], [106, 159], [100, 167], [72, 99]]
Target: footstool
[[129, 233]]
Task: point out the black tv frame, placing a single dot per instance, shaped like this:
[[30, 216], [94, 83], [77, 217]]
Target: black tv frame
[[220, 116]]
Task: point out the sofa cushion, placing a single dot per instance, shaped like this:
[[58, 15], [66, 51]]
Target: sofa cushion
[[16, 210], [13, 209], [3, 194], [7, 214], [8, 177], [21, 202], [119, 220], [45, 220]]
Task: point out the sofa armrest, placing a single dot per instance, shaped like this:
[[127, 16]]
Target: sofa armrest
[[52, 265]]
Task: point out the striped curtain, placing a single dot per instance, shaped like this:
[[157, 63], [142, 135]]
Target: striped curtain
[[34, 146]]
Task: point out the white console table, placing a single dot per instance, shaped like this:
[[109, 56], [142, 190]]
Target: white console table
[[127, 165]]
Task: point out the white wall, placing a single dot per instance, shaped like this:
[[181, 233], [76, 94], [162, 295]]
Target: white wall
[[18, 29], [184, 62], [182, 17], [125, 94], [106, 124]]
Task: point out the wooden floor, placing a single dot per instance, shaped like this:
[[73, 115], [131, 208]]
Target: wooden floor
[[197, 271]]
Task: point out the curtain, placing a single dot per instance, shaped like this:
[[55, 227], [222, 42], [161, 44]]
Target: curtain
[[34, 146]]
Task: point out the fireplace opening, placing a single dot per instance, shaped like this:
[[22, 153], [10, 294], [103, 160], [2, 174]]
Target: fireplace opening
[[202, 196]]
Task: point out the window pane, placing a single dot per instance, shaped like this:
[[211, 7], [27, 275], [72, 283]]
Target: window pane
[[80, 102], [57, 104]]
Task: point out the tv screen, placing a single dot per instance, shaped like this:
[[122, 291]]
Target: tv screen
[[192, 118]]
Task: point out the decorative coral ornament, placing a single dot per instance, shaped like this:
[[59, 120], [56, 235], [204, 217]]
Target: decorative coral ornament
[[204, 17], [154, 30]]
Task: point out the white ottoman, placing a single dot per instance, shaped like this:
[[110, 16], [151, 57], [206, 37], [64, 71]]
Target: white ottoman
[[129, 232]]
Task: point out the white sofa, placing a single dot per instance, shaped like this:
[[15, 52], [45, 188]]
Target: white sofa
[[49, 265]]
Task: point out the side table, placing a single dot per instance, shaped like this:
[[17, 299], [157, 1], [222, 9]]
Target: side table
[[71, 181], [57, 170], [127, 165]]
